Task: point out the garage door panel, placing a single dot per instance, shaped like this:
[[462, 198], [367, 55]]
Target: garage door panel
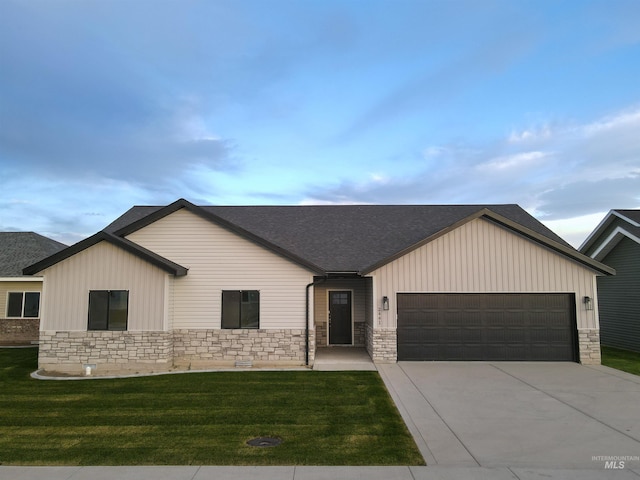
[[486, 327]]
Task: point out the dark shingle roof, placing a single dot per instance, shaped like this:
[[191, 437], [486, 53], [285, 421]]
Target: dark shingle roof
[[594, 242], [348, 238], [354, 237], [20, 249]]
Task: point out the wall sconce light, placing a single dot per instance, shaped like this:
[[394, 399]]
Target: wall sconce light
[[588, 303], [385, 303]]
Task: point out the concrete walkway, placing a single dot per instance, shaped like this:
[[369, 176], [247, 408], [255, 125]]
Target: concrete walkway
[[520, 415], [342, 358]]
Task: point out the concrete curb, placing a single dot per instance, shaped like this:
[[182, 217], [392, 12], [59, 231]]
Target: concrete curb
[[306, 473], [38, 376]]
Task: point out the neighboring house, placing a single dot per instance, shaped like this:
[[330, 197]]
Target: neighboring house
[[19, 294], [190, 287], [616, 242]]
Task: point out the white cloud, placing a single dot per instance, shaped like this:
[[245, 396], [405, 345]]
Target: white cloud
[[379, 178], [530, 135], [622, 120], [575, 230], [434, 151], [574, 171], [517, 160]]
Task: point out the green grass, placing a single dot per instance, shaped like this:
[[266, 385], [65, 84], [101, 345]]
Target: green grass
[[324, 418], [621, 359]]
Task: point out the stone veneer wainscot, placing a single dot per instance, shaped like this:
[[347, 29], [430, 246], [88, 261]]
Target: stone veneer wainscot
[[117, 352], [110, 352], [197, 348]]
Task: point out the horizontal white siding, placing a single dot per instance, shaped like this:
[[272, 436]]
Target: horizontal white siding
[[219, 260], [6, 287], [65, 302], [481, 256]]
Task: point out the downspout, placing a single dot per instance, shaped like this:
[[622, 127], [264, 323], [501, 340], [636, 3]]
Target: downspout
[[306, 331]]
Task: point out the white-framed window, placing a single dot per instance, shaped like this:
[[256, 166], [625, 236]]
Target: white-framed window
[[23, 304]]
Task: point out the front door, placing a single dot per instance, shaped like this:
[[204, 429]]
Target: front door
[[340, 318]]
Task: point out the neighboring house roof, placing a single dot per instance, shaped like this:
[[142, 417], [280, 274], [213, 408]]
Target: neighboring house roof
[[604, 238], [20, 249], [342, 238]]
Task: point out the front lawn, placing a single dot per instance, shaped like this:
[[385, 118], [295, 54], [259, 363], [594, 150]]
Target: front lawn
[[621, 359], [323, 418]]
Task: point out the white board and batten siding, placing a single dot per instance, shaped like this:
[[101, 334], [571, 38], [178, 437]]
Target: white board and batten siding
[[219, 260], [482, 257], [65, 302]]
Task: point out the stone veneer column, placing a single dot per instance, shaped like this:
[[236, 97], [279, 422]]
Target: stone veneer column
[[589, 346], [382, 344], [359, 334], [312, 346]]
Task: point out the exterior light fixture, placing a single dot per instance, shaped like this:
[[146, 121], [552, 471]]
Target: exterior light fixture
[[385, 303], [588, 303]]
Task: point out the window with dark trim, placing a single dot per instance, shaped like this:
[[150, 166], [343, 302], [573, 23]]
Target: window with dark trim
[[108, 309], [23, 304], [240, 309]]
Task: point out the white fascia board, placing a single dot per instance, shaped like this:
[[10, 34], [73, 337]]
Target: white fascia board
[[626, 219], [603, 224], [20, 279], [611, 241]]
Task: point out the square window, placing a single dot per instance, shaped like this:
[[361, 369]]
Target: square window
[[240, 309], [108, 309]]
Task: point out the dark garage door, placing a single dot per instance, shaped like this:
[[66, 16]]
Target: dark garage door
[[486, 326]]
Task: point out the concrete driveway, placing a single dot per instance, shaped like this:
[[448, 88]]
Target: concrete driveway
[[529, 415]]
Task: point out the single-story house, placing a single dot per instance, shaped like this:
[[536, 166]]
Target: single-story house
[[195, 286], [616, 242], [20, 294]]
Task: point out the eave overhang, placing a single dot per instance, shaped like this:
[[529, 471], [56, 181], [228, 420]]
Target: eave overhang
[[515, 227], [133, 248], [182, 203]]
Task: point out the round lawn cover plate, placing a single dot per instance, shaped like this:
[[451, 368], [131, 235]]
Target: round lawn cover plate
[[264, 442]]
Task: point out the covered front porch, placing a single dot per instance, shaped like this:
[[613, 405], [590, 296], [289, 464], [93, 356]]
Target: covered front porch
[[338, 359], [342, 310]]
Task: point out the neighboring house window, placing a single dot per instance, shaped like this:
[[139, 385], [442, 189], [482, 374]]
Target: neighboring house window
[[23, 305], [108, 309], [240, 309]]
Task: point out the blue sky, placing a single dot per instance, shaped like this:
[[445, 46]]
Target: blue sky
[[107, 104]]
